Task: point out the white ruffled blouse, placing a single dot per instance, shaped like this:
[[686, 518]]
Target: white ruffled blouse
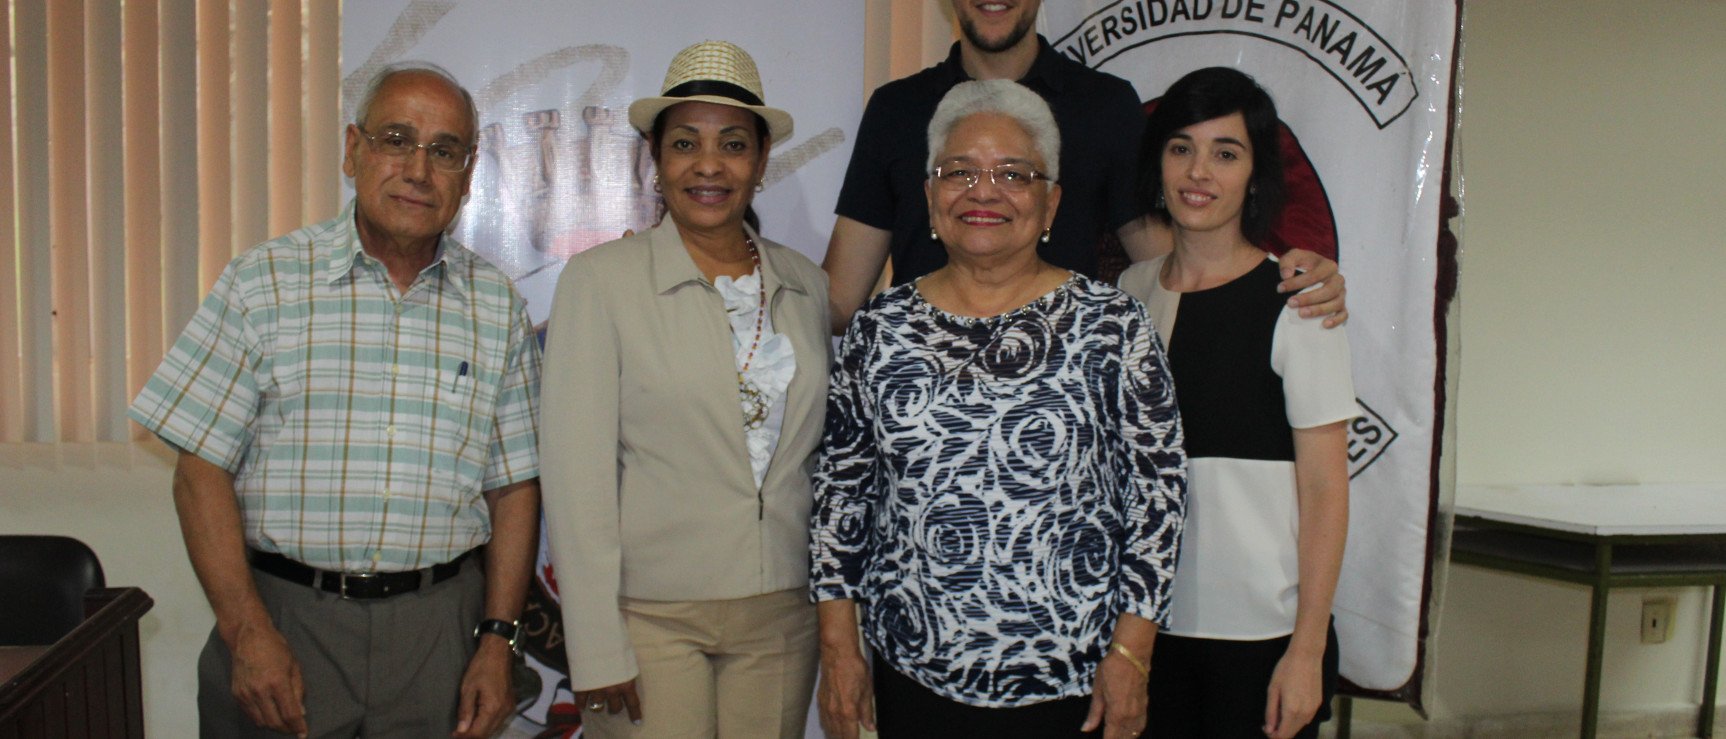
[[770, 371]]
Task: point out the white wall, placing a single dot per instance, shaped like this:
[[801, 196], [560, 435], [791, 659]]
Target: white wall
[[1593, 143], [1593, 151], [118, 500]]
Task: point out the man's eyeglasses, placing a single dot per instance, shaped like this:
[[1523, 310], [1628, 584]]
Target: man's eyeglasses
[[443, 155], [1011, 177]]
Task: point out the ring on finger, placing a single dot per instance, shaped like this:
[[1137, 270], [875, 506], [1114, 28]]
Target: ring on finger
[[595, 705]]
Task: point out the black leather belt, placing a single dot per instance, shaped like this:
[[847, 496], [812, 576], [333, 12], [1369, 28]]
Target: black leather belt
[[356, 584]]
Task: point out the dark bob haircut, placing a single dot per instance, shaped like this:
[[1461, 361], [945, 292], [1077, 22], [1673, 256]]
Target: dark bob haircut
[[1215, 92]]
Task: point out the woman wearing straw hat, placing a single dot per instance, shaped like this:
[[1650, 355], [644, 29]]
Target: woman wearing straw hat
[[685, 378]]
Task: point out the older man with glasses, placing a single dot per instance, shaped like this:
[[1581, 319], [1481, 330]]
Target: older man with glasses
[[355, 411]]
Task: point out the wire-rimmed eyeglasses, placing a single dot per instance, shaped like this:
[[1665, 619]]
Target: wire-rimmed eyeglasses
[[443, 155], [1011, 177]]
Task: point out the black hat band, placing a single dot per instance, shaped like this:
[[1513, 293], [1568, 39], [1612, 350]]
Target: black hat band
[[714, 88]]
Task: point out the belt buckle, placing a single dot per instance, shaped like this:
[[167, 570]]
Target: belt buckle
[[342, 582]]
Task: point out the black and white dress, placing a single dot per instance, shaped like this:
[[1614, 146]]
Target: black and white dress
[[995, 492]]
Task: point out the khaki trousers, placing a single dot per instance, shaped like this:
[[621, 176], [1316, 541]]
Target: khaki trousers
[[733, 669], [389, 667]]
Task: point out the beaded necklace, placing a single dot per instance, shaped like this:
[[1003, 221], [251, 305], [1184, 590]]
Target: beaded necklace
[[755, 403]]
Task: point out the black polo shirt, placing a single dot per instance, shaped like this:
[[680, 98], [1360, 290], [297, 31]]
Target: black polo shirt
[[1100, 120]]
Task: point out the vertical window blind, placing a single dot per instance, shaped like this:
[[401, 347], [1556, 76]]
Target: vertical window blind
[[144, 143]]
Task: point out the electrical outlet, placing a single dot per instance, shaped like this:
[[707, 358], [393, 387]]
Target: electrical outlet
[[1657, 620]]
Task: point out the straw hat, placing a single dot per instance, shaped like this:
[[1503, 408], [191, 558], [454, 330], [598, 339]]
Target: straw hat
[[711, 72]]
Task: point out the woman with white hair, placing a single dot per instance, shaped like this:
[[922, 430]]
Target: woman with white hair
[[1002, 476]]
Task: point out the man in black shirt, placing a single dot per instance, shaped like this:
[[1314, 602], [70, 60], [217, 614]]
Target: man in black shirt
[[882, 211]]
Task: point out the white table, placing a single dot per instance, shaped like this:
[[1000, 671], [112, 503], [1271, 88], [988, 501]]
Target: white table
[[1603, 536]]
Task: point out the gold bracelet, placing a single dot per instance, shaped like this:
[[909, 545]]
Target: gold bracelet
[[1144, 669]]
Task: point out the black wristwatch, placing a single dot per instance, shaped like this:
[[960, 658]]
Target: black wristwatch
[[510, 630]]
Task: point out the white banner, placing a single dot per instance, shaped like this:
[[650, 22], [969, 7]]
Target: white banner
[[1364, 87], [560, 169]]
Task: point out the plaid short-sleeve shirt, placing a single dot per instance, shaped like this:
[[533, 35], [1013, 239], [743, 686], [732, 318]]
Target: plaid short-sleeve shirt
[[361, 427]]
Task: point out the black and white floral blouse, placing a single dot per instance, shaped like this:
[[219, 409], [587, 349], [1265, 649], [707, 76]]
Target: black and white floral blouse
[[995, 492]]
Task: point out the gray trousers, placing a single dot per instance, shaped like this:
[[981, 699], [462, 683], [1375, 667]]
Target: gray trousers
[[390, 667]]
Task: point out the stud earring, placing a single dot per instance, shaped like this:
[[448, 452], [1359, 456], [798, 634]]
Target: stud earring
[[760, 186], [932, 235], [1045, 237]]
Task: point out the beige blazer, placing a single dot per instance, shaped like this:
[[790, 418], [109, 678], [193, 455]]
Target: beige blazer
[[644, 469]]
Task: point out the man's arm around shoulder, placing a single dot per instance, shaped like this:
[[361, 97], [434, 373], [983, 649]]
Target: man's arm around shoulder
[[855, 257]]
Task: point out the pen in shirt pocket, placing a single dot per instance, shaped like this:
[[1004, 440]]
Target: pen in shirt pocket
[[460, 374]]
